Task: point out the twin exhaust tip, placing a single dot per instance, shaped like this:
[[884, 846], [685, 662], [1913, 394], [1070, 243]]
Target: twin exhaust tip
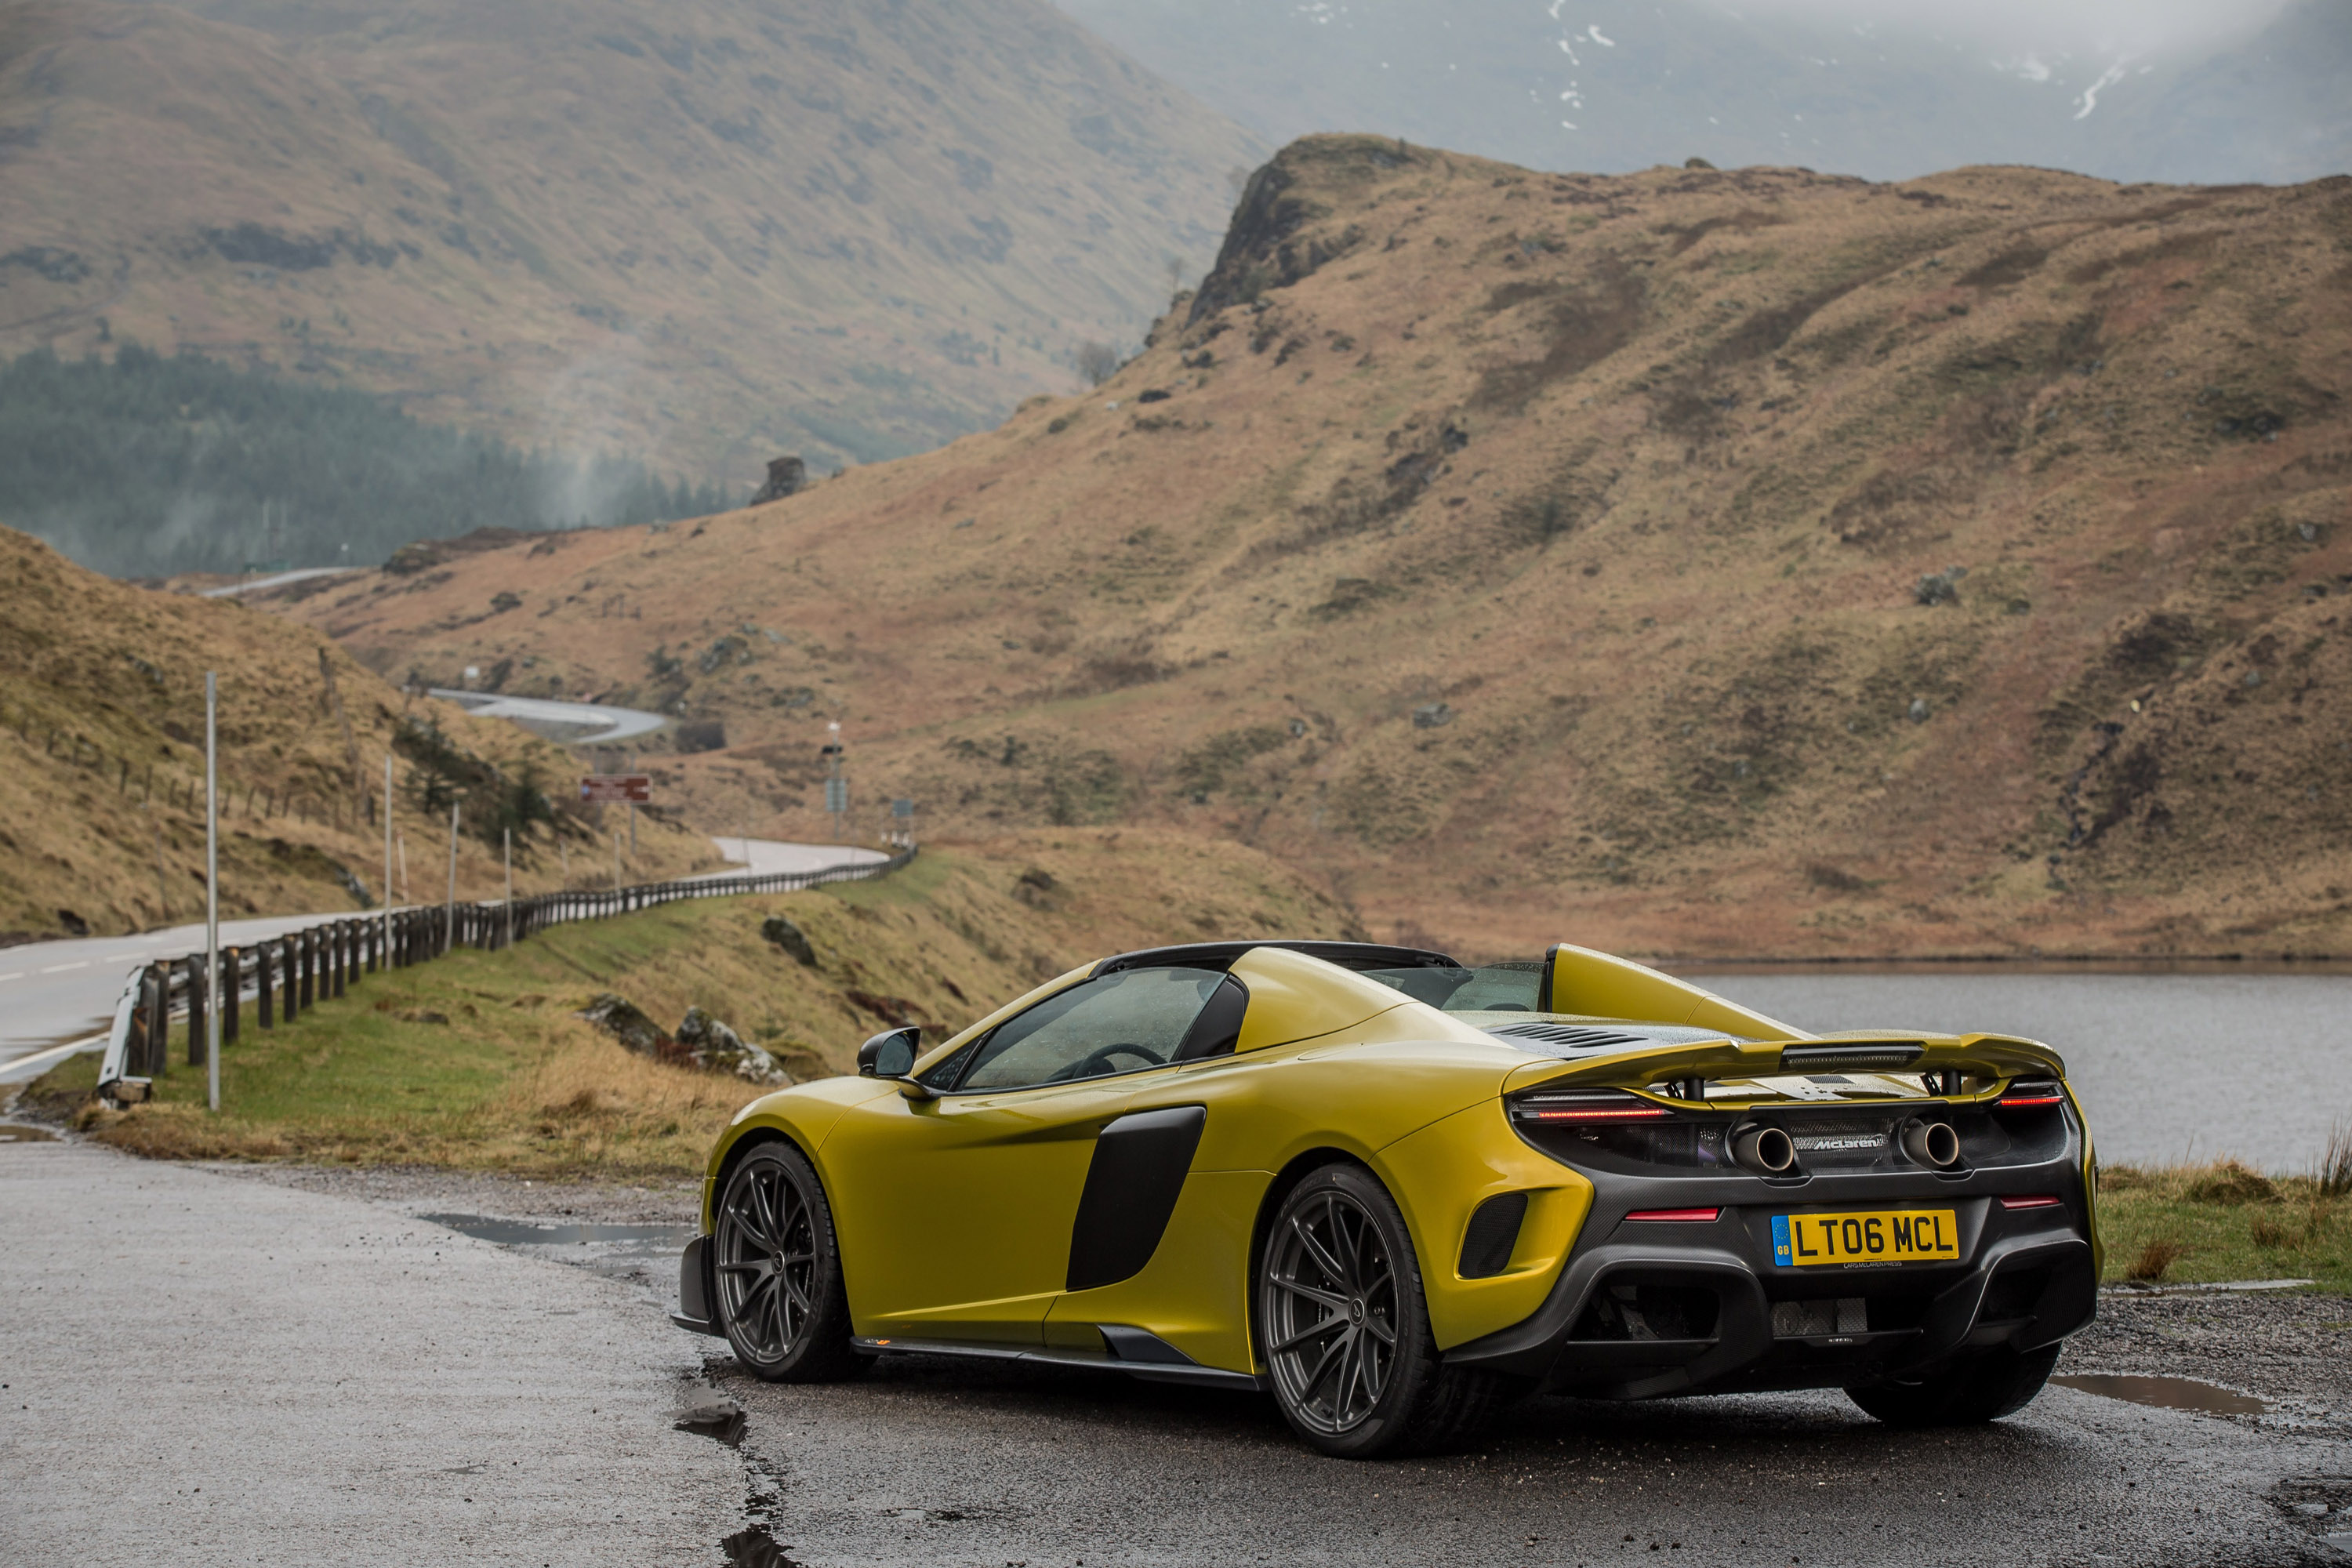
[[1931, 1143], [1767, 1151], [1770, 1152]]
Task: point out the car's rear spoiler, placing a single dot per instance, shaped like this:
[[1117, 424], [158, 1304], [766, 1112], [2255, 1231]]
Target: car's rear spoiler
[[1994, 1057], [1597, 985]]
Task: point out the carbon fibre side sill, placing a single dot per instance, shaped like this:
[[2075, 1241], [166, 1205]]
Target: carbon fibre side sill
[[1187, 1371]]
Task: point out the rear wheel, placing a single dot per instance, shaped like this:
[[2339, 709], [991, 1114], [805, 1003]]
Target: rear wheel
[[778, 1271], [1344, 1329], [1984, 1387]]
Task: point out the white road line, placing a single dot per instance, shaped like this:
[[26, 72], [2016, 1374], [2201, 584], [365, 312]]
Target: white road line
[[61, 968], [17, 975], [18, 1065]]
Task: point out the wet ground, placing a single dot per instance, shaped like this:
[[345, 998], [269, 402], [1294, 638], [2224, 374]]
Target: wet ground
[[2234, 1446], [2197, 1429]]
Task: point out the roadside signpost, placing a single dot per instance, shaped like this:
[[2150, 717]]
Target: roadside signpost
[[837, 788], [632, 790]]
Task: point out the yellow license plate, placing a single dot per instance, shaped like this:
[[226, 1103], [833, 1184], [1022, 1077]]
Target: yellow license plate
[[1883, 1235]]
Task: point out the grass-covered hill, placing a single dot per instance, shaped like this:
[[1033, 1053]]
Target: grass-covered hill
[[699, 233], [1749, 560], [102, 729]]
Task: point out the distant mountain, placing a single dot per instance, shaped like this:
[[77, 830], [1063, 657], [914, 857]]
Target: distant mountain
[[1615, 85], [1740, 561], [699, 233]]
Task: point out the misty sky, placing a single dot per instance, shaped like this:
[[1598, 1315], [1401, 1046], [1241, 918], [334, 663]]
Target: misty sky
[[2153, 25]]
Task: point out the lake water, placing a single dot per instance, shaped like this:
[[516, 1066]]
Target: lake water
[[2170, 1067]]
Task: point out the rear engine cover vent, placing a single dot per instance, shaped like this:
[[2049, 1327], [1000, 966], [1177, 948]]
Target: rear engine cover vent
[[1570, 1036]]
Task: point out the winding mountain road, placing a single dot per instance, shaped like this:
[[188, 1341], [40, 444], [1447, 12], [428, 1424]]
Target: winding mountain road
[[56, 995]]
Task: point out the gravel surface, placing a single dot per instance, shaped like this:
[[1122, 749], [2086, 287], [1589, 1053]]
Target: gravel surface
[[422, 1189]]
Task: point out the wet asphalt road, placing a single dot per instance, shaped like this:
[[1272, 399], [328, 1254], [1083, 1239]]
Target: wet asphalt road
[[938, 1462], [201, 1370], [349, 1384]]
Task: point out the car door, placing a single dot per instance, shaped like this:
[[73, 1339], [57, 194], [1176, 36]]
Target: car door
[[955, 1213]]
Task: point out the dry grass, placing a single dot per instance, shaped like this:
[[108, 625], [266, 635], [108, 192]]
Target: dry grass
[[117, 673], [2335, 1173], [2190, 1224]]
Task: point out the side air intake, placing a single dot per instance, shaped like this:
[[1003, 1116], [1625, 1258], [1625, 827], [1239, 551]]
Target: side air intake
[[1493, 1232]]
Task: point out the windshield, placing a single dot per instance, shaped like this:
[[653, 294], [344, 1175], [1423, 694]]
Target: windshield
[[1489, 988]]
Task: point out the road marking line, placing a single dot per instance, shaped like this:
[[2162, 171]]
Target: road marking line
[[55, 1053], [18, 975], [61, 968]]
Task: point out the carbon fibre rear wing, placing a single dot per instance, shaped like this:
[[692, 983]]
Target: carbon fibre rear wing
[[1989, 1058]]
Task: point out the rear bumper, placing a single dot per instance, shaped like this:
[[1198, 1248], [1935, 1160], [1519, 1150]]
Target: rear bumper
[[2025, 1279]]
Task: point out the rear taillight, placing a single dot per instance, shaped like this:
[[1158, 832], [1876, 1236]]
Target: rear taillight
[[1696, 1216], [1606, 1105], [2039, 1201], [2024, 1096]]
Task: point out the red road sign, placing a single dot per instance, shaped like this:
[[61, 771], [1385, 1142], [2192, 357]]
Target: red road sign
[[598, 788]]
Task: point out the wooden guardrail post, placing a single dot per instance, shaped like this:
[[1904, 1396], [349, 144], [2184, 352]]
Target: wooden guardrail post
[[231, 973], [195, 971], [339, 947], [262, 981]]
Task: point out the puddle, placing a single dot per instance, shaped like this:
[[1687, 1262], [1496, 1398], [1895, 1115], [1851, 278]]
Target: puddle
[[617, 1251], [753, 1547], [713, 1415], [16, 1132], [2171, 1392]]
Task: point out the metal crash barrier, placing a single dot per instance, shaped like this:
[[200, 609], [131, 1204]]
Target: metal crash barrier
[[288, 974]]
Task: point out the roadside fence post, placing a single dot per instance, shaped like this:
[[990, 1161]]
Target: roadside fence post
[[197, 986], [339, 936], [232, 971], [262, 978], [306, 963]]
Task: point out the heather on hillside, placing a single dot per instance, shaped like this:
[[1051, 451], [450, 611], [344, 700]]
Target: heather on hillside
[[147, 465]]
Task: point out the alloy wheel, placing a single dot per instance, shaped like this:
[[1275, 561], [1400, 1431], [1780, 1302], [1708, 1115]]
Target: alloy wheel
[[1329, 1306], [766, 1259]]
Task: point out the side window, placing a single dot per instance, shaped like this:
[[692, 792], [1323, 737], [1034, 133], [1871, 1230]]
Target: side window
[[1120, 1023]]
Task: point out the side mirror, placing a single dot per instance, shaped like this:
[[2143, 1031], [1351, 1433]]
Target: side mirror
[[890, 1054]]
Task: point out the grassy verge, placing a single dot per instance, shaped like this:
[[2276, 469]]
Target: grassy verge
[[2201, 1224], [479, 1061]]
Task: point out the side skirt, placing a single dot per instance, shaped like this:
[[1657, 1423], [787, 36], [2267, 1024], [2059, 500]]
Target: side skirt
[[1166, 1363]]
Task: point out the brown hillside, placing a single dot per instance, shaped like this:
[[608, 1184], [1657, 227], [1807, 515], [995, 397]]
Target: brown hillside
[[1545, 555], [703, 232], [102, 726]]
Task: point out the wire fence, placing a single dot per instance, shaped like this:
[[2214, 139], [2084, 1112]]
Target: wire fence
[[287, 976]]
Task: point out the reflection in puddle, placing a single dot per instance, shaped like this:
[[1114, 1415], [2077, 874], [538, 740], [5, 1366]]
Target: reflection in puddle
[[2172, 1392], [755, 1548], [617, 1251], [17, 1132]]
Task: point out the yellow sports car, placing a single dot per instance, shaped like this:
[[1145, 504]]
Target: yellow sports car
[[1396, 1190]]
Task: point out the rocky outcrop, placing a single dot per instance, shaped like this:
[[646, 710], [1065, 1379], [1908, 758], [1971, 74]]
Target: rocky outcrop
[[707, 1044], [785, 478], [620, 1018], [790, 937]]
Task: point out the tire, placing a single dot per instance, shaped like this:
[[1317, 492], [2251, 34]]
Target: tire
[[1976, 1388], [1343, 1328], [777, 1269]]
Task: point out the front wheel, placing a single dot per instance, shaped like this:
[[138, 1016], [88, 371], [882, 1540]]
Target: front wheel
[[777, 1268], [1344, 1329], [1984, 1387]]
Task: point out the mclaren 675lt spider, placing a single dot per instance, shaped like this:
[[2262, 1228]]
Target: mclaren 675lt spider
[[1394, 1191]]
